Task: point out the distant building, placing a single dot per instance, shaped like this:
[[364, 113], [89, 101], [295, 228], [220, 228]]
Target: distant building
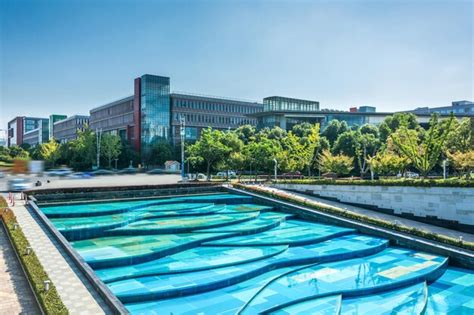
[[52, 119], [465, 108], [35, 129], [3, 138], [285, 115], [67, 129]]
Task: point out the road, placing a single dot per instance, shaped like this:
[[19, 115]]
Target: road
[[98, 181]]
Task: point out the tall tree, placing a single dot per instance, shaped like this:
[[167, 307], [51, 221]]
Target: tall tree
[[110, 146], [423, 150], [334, 129], [50, 152], [209, 149], [397, 120]]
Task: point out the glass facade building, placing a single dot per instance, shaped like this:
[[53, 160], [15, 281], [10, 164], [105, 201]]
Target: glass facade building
[[279, 103], [155, 110]]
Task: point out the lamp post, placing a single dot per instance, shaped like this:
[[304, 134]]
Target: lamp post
[[183, 134], [276, 165], [444, 168], [98, 134]]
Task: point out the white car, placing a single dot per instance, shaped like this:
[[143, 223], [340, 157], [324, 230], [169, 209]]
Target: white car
[[411, 175], [19, 184], [224, 174]]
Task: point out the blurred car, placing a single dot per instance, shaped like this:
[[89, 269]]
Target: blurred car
[[19, 184], [2, 174], [128, 170], [79, 175], [102, 172], [60, 172]]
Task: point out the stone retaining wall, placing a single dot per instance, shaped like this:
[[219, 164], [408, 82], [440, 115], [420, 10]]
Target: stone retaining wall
[[448, 205]]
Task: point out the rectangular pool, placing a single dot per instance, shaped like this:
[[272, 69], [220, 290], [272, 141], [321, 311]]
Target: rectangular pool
[[228, 254]]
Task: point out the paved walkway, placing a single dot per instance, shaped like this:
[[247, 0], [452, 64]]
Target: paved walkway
[[73, 287], [15, 293], [379, 215]]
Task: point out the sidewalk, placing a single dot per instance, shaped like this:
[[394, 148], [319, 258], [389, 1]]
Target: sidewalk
[[16, 296], [375, 214], [73, 287]]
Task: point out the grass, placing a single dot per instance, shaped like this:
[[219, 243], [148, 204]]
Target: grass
[[361, 218], [50, 301]]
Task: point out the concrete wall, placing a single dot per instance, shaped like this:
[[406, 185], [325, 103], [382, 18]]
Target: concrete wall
[[445, 203]]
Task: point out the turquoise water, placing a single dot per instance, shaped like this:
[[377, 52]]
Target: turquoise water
[[227, 254]]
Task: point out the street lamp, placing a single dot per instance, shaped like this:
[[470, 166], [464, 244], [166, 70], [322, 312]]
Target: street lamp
[[98, 134], [444, 168], [182, 134], [276, 165]]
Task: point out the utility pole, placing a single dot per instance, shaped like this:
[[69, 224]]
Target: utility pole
[[183, 137], [98, 134]]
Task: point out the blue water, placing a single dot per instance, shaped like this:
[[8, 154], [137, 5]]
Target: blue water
[[227, 254]]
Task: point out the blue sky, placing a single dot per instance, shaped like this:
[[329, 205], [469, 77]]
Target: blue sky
[[66, 57]]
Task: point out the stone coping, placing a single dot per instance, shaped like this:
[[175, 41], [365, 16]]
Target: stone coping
[[54, 191], [112, 301], [458, 256]]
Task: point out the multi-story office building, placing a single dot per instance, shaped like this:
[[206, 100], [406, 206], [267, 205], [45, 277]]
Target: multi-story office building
[[38, 135], [35, 129], [52, 119], [67, 129], [200, 112], [458, 107], [286, 116], [153, 113], [116, 117]]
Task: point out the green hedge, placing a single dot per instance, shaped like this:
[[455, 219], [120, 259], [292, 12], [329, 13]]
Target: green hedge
[[363, 218], [50, 301], [384, 182]]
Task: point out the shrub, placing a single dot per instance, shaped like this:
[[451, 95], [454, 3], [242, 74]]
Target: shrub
[[452, 182], [339, 164], [50, 301]]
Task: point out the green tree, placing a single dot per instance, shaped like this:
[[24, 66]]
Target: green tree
[[110, 147], [459, 136], [231, 158], [463, 162], [366, 146], [423, 150], [245, 133], [346, 143], [339, 164], [291, 157], [397, 120], [160, 152], [334, 129], [261, 154], [208, 149], [388, 163], [83, 150], [50, 152], [17, 152]]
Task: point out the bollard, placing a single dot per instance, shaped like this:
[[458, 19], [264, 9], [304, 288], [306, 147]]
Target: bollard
[[28, 250], [15, 226], [46, 284]]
